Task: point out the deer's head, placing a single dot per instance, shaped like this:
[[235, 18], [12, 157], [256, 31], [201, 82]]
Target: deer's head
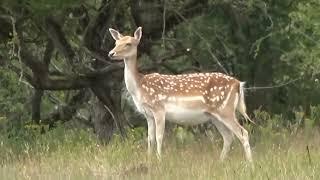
[[125, 46]]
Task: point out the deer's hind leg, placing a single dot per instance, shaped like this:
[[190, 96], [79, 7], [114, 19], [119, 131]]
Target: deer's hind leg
[[230, 122], [227, 136]]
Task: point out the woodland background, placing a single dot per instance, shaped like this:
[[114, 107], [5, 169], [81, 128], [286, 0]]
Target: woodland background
[[55, 74]]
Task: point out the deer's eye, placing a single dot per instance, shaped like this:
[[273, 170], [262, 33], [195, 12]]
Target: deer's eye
[[128, 44]]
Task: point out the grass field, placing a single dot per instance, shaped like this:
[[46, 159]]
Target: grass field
[[72, 154]]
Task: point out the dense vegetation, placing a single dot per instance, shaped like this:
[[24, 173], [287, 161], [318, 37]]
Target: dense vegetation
[[58, 88]]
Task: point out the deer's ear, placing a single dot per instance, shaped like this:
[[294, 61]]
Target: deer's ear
[[138, 33], [115, 34]]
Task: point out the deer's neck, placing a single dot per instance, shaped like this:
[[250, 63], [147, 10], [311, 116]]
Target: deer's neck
[[131, 75]]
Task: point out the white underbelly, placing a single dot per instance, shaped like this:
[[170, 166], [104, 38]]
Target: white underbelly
[[185, 116]]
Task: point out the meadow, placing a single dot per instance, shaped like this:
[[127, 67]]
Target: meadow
[[70, 153]]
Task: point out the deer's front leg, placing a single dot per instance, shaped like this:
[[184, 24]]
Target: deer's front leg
[[151, 134], [159, 118]]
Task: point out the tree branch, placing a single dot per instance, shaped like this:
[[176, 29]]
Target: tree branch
[[97, 28], [59, 40], [47, 82], [66, 112], [104, 71], [27, 76], [48, 53], [64, 83], [38, 68]]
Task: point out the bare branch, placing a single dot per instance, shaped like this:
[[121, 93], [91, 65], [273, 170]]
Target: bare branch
[[104, 71], [64, 83], [97, 29], [48, 53], [59, 40], [37, 67], [66, 111], [27, 76]]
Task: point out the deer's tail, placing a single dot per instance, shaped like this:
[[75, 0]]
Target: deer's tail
[[241, 107]]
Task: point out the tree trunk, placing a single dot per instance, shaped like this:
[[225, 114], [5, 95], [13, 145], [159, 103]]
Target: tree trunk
[[103, 122], [36, 105]]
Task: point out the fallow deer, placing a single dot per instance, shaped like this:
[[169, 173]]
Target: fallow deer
[[185, 99]]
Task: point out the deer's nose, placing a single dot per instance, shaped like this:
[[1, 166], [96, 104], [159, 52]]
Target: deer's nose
[[111, 54]]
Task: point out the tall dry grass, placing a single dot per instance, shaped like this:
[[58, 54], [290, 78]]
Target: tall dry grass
[[76, 154]]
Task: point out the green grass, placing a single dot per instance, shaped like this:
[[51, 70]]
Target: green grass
[[76, 154]]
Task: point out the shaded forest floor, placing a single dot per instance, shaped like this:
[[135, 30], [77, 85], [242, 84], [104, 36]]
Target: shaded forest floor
[[76, 154]]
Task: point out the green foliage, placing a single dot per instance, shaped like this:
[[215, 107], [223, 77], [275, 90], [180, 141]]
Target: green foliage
[[42, 7], [183, 136], [304, 29], [13, 101], [314, 116], [137, 134]]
